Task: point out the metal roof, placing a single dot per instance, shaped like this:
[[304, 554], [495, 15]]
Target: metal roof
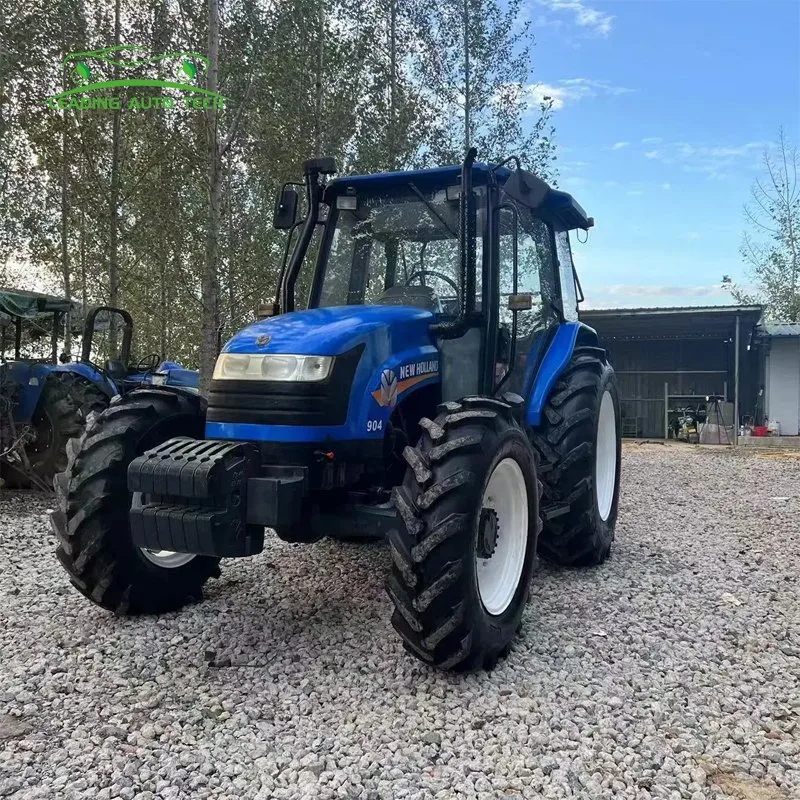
[[624, 312], [680, 322], [781, 329]]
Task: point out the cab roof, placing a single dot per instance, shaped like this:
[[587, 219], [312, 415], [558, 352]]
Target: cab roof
[[558, 208]]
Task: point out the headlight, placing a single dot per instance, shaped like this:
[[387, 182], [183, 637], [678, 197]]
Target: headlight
[[273, 367]]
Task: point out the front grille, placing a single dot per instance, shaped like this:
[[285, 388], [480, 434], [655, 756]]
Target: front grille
[[286, 403]]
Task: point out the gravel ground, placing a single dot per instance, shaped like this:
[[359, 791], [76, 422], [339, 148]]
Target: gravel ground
[[670, 672]]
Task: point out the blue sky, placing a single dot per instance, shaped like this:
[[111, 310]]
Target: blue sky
[[664, 108]]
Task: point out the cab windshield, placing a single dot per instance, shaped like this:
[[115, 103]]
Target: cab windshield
[[395, 248]]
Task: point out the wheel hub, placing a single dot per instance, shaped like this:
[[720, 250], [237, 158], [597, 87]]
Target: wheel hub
[[489, 533]]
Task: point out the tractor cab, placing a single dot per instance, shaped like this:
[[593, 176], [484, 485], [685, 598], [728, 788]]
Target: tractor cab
[[480, 252]]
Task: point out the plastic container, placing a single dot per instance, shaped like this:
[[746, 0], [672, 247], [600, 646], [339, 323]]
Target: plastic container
[[774, 428], [760, 430]]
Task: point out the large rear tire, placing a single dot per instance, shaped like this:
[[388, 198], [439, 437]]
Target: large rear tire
[[92, 526], [579, 447], [465, 551]]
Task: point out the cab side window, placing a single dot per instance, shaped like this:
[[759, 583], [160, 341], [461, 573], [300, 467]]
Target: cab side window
[[535, 273]]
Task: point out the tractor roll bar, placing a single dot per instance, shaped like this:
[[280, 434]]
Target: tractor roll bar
[[88, 333], [466, 253]]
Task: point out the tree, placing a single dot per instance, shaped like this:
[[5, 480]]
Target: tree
[[771, 250], [472, 62]]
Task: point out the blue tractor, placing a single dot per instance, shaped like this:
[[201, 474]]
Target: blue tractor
[[438, 390], [46, 397]]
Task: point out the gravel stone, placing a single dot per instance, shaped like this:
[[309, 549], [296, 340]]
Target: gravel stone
[[669, 673]]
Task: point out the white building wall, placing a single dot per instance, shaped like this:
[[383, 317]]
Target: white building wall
[[783, 384]]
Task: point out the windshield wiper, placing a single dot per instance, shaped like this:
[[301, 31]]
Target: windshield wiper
[[433, 210]]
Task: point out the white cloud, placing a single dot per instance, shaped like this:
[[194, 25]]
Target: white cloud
[[597, 22], [634, 290], [635, 192], [713, 161], [619, 145], [571, 90], [666, 186], [652, 140]]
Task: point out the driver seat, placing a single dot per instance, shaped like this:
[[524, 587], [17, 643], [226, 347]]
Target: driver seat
[[417, 296]]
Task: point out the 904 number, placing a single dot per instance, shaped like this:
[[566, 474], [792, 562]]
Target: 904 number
[[374, 425]]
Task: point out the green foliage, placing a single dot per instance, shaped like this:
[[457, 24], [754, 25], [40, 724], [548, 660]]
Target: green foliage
[[771, 248], [380, 101]]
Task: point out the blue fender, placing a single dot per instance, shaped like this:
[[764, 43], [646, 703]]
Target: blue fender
[[87, 371], [31, 379], [558, 355]]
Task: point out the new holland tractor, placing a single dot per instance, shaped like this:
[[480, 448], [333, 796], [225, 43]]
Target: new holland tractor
[[46, 397], [438, 389]]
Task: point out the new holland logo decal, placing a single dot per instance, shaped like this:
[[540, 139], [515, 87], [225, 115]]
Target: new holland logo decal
[[392, 384]]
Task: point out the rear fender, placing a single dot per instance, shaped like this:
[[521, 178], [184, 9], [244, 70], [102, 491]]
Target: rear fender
[[31, 379], [90, 373], [558, 355]]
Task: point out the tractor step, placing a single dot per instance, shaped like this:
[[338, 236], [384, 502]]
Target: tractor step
[[554, 510]]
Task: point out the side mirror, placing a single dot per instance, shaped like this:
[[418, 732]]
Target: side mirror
[[285, 214], [520, 302]]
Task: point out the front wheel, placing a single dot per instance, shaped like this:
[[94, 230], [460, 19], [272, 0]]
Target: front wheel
[[465, 551], [92, 526]]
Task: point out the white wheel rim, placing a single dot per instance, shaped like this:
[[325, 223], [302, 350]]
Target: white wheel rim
[[605, 459], [168, 559], [499, 575]]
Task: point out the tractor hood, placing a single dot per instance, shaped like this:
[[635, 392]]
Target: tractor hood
[[333, 331]]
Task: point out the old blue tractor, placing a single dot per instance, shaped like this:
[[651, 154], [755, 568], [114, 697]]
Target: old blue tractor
[[437, 389], [46, 396]]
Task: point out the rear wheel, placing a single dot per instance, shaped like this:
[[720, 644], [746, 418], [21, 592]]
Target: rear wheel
[[579, 448], [465, 551], [86, 394], [92, 523], [57, 419]]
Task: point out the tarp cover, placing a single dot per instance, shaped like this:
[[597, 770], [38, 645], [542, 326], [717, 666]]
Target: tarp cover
[[31, 304]]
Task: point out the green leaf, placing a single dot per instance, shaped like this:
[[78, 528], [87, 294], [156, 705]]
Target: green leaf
[[189, 69], [83, 71]]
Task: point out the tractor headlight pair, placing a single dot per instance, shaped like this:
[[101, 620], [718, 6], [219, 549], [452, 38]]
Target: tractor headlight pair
[[273, 367]]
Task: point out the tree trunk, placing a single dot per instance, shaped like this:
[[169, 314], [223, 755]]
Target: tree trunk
[[393, 85], [209, 336], [318, 86], [65, 270], [84, 291], [113, 211]]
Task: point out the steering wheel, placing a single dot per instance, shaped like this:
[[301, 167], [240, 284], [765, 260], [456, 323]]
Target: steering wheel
[[421, 273], [149, 363]]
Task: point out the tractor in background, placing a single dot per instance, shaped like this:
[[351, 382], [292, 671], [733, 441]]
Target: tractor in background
[[438, 389], [45, 396]]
